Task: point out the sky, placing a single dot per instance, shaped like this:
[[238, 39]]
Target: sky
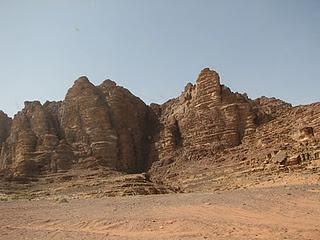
[[155, 47]]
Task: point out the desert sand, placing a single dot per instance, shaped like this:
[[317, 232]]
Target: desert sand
[[282, 212]]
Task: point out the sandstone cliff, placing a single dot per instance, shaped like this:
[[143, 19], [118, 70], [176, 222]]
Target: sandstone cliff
[[226, 140], [207, 117], [94, 126], [5, 125], [203, 139]]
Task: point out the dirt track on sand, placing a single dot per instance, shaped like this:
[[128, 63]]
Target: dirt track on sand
[[268, 213]]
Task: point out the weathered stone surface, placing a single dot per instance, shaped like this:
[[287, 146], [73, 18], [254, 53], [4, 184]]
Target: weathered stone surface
[[5, 124], [94, 126], [87, 125], [28, 140], [212, 138], [288, 142], [207, 138], [206, 117], [272, 107], [132, 121], [304, 134]]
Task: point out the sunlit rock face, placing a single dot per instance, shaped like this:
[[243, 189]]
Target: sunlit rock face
[[206, 117], [32, 131], [212, 138], [94, 126], [106, 126]]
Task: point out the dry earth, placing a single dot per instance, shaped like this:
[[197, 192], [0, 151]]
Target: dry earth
[[279, 212]]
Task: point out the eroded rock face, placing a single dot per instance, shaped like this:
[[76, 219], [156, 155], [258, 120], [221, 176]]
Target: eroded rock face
[[86, 122], [206, 117], [208, 130], [94, 126], [31, 141], [107, 123], [304, 134], [132, 122], [272, 107], [5, 124], [287, 141]]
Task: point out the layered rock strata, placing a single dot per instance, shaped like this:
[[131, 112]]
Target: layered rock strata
[[208, 134], [94, 126], [5, 125], [206, 117], [284, 145]]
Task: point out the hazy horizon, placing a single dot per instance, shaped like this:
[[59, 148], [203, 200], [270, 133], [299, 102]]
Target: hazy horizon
[[154, 48]]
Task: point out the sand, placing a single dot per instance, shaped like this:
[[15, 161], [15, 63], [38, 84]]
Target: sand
[[262, 213]]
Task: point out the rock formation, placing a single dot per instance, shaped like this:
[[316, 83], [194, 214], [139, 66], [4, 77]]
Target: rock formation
[[94, 126], [5, 125], [206, 117], [286, 141], [208, 133]]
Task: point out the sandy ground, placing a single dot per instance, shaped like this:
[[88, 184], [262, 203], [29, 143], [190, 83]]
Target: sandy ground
[[265, 213]]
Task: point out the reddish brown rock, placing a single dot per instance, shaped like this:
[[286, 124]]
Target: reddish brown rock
[[287, 143], [94, 126], [207, 138], [272, 107], [30, 142], [212, 138], [206, 117], [5, 125], [87, 125], [304, 134], [132, 123]]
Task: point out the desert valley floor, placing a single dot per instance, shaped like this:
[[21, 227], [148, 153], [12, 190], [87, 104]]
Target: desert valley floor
[[278, 212]]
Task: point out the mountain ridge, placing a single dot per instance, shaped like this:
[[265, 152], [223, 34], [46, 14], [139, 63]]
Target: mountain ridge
[[107, 127]]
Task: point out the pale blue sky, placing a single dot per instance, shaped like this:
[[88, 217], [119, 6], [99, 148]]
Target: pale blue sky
[[154, 47]]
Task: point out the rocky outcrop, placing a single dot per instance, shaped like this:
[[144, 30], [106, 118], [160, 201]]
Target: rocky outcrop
[[272, 107], [206, 117], [94, 126], [211, 138], [133, 123], [5, 125], [205, 137], [106, 123], [286, 144], [32, 140]]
